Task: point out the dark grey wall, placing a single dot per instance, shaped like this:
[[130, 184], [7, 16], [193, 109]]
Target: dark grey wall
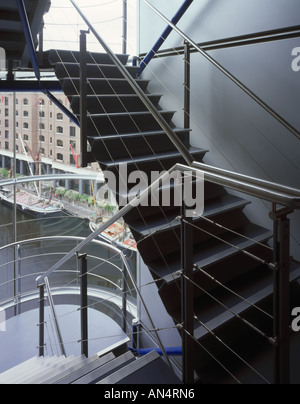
[[238, 133]]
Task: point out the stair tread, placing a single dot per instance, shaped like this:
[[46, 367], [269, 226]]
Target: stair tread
[[211, 252], [215, 315], [106, 370], [154, 224], [135, 134], [128, 113], [147, 158]]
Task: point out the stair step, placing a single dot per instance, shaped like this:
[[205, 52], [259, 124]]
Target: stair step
[[156, 159], [130, 144], [118, 123], [164, 221], [78, 363], [86, 369], [71, 86], [62, 56], [150, 369], [105, 370], [257, 289], [93, 70], [111, 103], [209, 253]]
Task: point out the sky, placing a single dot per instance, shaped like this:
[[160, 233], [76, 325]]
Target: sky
[[62, 24]]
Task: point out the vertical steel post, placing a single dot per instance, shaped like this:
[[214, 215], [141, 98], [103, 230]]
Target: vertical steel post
[[187, 297], [124, 298], [187, 85], [42, 321], [125, 24], [281, 300], [83, 97], [84, 304]]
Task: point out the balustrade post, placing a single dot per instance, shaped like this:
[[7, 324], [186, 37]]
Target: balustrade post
[[42, 321], [84, 304], [187, 297], [281, 302]]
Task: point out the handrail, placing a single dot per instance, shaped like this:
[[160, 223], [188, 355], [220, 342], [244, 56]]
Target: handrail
[[138, 90], [235, 80], [180, 13], [272, 192]]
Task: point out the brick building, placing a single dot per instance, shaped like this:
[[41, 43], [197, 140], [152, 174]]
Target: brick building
[[43, 132]]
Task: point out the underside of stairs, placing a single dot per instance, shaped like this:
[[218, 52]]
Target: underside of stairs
[[121, 130], [109, 369]]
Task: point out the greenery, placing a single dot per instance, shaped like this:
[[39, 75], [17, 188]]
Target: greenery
[[4, 173]]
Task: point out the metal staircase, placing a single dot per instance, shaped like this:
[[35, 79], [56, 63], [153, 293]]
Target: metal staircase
[[109, 369], [122, 131]]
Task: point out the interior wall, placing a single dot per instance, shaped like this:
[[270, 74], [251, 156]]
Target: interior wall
[[239, 134]]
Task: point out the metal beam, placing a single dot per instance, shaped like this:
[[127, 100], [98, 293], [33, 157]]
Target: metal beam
[[29, 38], [26, 86]]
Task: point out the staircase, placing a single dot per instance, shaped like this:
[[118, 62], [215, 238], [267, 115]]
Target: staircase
[[121, 130], [109, 369]]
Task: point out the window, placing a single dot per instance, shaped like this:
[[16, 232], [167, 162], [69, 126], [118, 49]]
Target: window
[[25, 102], [60, 117], [6, 146], [42, 101], [42, 150], [6, 101], [6, 123], [73, 144], [59, 129], [26, 137], [6, 112], [6, 134], [42, 126], [60, 157], [42, 138], [42, 114], [25, 125], [72, 131], [26, 114], [60, 143]]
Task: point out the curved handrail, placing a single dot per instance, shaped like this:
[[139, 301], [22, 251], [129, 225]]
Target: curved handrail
[[242, 86]]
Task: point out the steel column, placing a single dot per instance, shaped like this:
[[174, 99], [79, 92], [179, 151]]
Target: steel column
[[84, 304], [83, 98], [187, 85], [42, 321], [281, 300], [187, 298]]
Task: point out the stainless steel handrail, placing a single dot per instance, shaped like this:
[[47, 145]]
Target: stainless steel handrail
[[242, 86], [269, 191], [143, 97]]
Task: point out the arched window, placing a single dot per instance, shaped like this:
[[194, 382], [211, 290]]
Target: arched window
[[42, 114], [42, 126], [25, 125], [25, 102], [59, 129], [60, 157], [42, 101], [25, 114], [42, 138], [60, 143], [59, 117], [26, 137]]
